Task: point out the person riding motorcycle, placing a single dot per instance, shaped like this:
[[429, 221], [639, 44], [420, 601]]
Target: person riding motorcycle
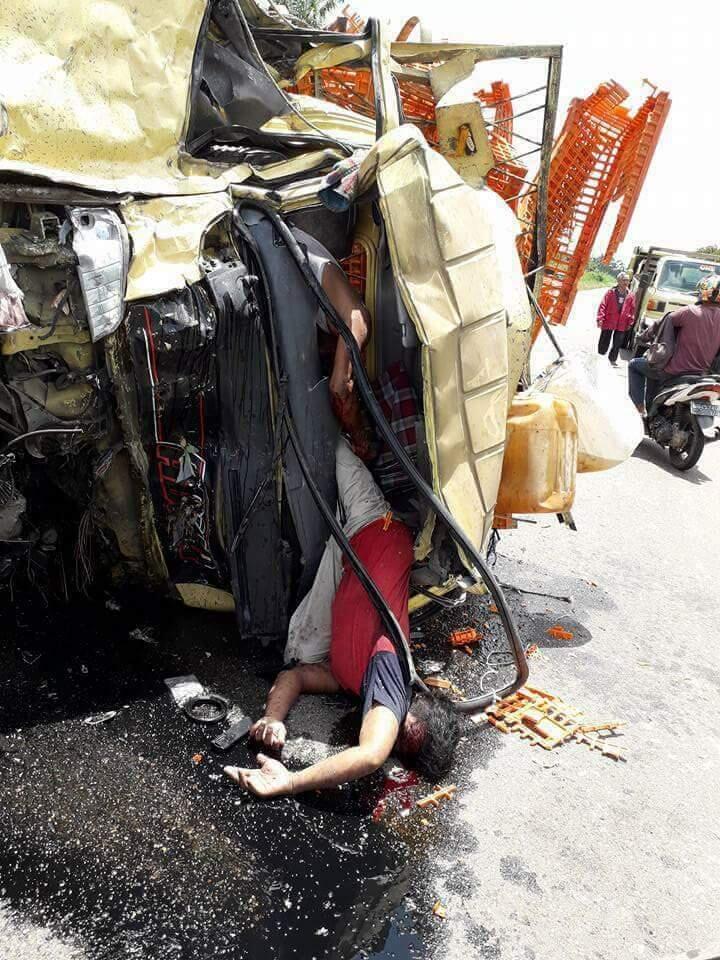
[[697, 344]]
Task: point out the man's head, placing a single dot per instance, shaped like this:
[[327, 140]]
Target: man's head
[[429, 735], [622, 281]]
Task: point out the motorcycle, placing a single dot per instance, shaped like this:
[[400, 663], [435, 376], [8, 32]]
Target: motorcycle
[[680, 413]]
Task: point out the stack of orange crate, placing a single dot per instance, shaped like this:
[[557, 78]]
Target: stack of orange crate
[[602, 154]]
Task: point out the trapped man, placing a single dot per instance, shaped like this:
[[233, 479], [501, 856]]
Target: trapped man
[[339, 641]]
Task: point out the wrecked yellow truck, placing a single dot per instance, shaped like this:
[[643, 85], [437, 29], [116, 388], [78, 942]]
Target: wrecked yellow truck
[[164, 412]]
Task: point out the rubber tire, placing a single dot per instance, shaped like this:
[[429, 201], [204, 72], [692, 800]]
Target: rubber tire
[[696, 442]]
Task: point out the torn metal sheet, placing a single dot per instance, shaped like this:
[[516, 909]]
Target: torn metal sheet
[[331, 55], [100, 98], [329, 118], [167, 234], [442, 239]]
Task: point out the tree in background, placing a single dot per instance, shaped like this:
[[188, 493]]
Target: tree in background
[[613, 268], [710, 251], [314, 12]]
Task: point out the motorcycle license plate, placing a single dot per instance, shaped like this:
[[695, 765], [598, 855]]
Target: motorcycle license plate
[[702, 409]]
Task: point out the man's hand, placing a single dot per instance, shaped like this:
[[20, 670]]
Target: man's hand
[[272, 779], [271, 733]]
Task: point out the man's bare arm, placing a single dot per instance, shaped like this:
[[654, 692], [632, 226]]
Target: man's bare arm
[[288, 686], [377, 738]]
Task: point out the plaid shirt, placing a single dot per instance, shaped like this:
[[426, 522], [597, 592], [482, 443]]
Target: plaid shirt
[[396, 396]]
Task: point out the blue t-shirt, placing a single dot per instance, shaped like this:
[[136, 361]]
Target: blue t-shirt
[[383, 683]]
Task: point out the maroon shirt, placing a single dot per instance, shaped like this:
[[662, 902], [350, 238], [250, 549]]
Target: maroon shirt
[[698, 339]]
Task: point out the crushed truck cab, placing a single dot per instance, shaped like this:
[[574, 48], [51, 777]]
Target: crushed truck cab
[[140, 423]]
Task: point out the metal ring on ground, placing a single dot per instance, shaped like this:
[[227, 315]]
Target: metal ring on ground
[[220, 703]]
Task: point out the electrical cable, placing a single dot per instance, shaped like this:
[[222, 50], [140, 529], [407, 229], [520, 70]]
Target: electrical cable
[[461, 539], [35, 433]]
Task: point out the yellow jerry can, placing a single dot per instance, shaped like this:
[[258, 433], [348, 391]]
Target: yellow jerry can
[[540, 463]]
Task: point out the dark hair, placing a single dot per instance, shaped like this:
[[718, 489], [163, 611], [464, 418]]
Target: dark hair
[[440, 735]]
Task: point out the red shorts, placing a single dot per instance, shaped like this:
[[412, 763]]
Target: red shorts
[[357, 630]]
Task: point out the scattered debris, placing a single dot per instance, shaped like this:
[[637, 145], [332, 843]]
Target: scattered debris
[[537, 593], [547, 721], [439, 910], [560, 633], [197, 758], [143, 633], [96, 718], [429, 667], [440, 683], [433, 799], [183, 688], [468, 651], [112, 605], [492, 608], [462, 638], [532, 650], [424, 821]]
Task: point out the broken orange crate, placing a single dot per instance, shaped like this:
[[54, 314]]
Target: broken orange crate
[[461, 638], [433, 799]]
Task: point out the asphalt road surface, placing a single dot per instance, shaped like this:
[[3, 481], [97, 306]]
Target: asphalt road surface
[[123, 840]]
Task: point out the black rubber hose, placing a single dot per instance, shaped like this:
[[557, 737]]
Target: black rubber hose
[[393, 627], [363, 384]]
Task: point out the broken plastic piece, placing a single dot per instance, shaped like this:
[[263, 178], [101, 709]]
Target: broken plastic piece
[[559, 633], [532, 650], [439, 910], [442, 684], [228, 738], [547, 721], [433, 799], [183, 688], [461, 638]]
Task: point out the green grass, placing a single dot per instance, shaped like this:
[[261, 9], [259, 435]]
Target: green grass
[[594, 279]]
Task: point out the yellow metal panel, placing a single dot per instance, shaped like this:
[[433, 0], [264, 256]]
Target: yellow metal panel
[[96, 93], [441, 234], [166, 234]]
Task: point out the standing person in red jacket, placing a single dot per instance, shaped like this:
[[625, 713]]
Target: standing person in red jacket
[[615, 317]]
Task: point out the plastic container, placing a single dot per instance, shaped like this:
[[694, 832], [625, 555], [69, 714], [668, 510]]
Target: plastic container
[[540, 461]]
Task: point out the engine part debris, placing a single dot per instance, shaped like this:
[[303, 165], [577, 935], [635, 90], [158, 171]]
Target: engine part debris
[[433, 799], [206, 708], [548, 721], [96, 718]]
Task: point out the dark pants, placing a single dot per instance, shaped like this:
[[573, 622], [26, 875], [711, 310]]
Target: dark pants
[[617, 337], [643, 382]]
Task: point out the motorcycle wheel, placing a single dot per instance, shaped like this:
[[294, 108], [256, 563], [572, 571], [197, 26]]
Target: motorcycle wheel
[[686, 457]]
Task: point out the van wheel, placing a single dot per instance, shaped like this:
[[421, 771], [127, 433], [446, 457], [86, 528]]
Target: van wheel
[[688, 455]]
